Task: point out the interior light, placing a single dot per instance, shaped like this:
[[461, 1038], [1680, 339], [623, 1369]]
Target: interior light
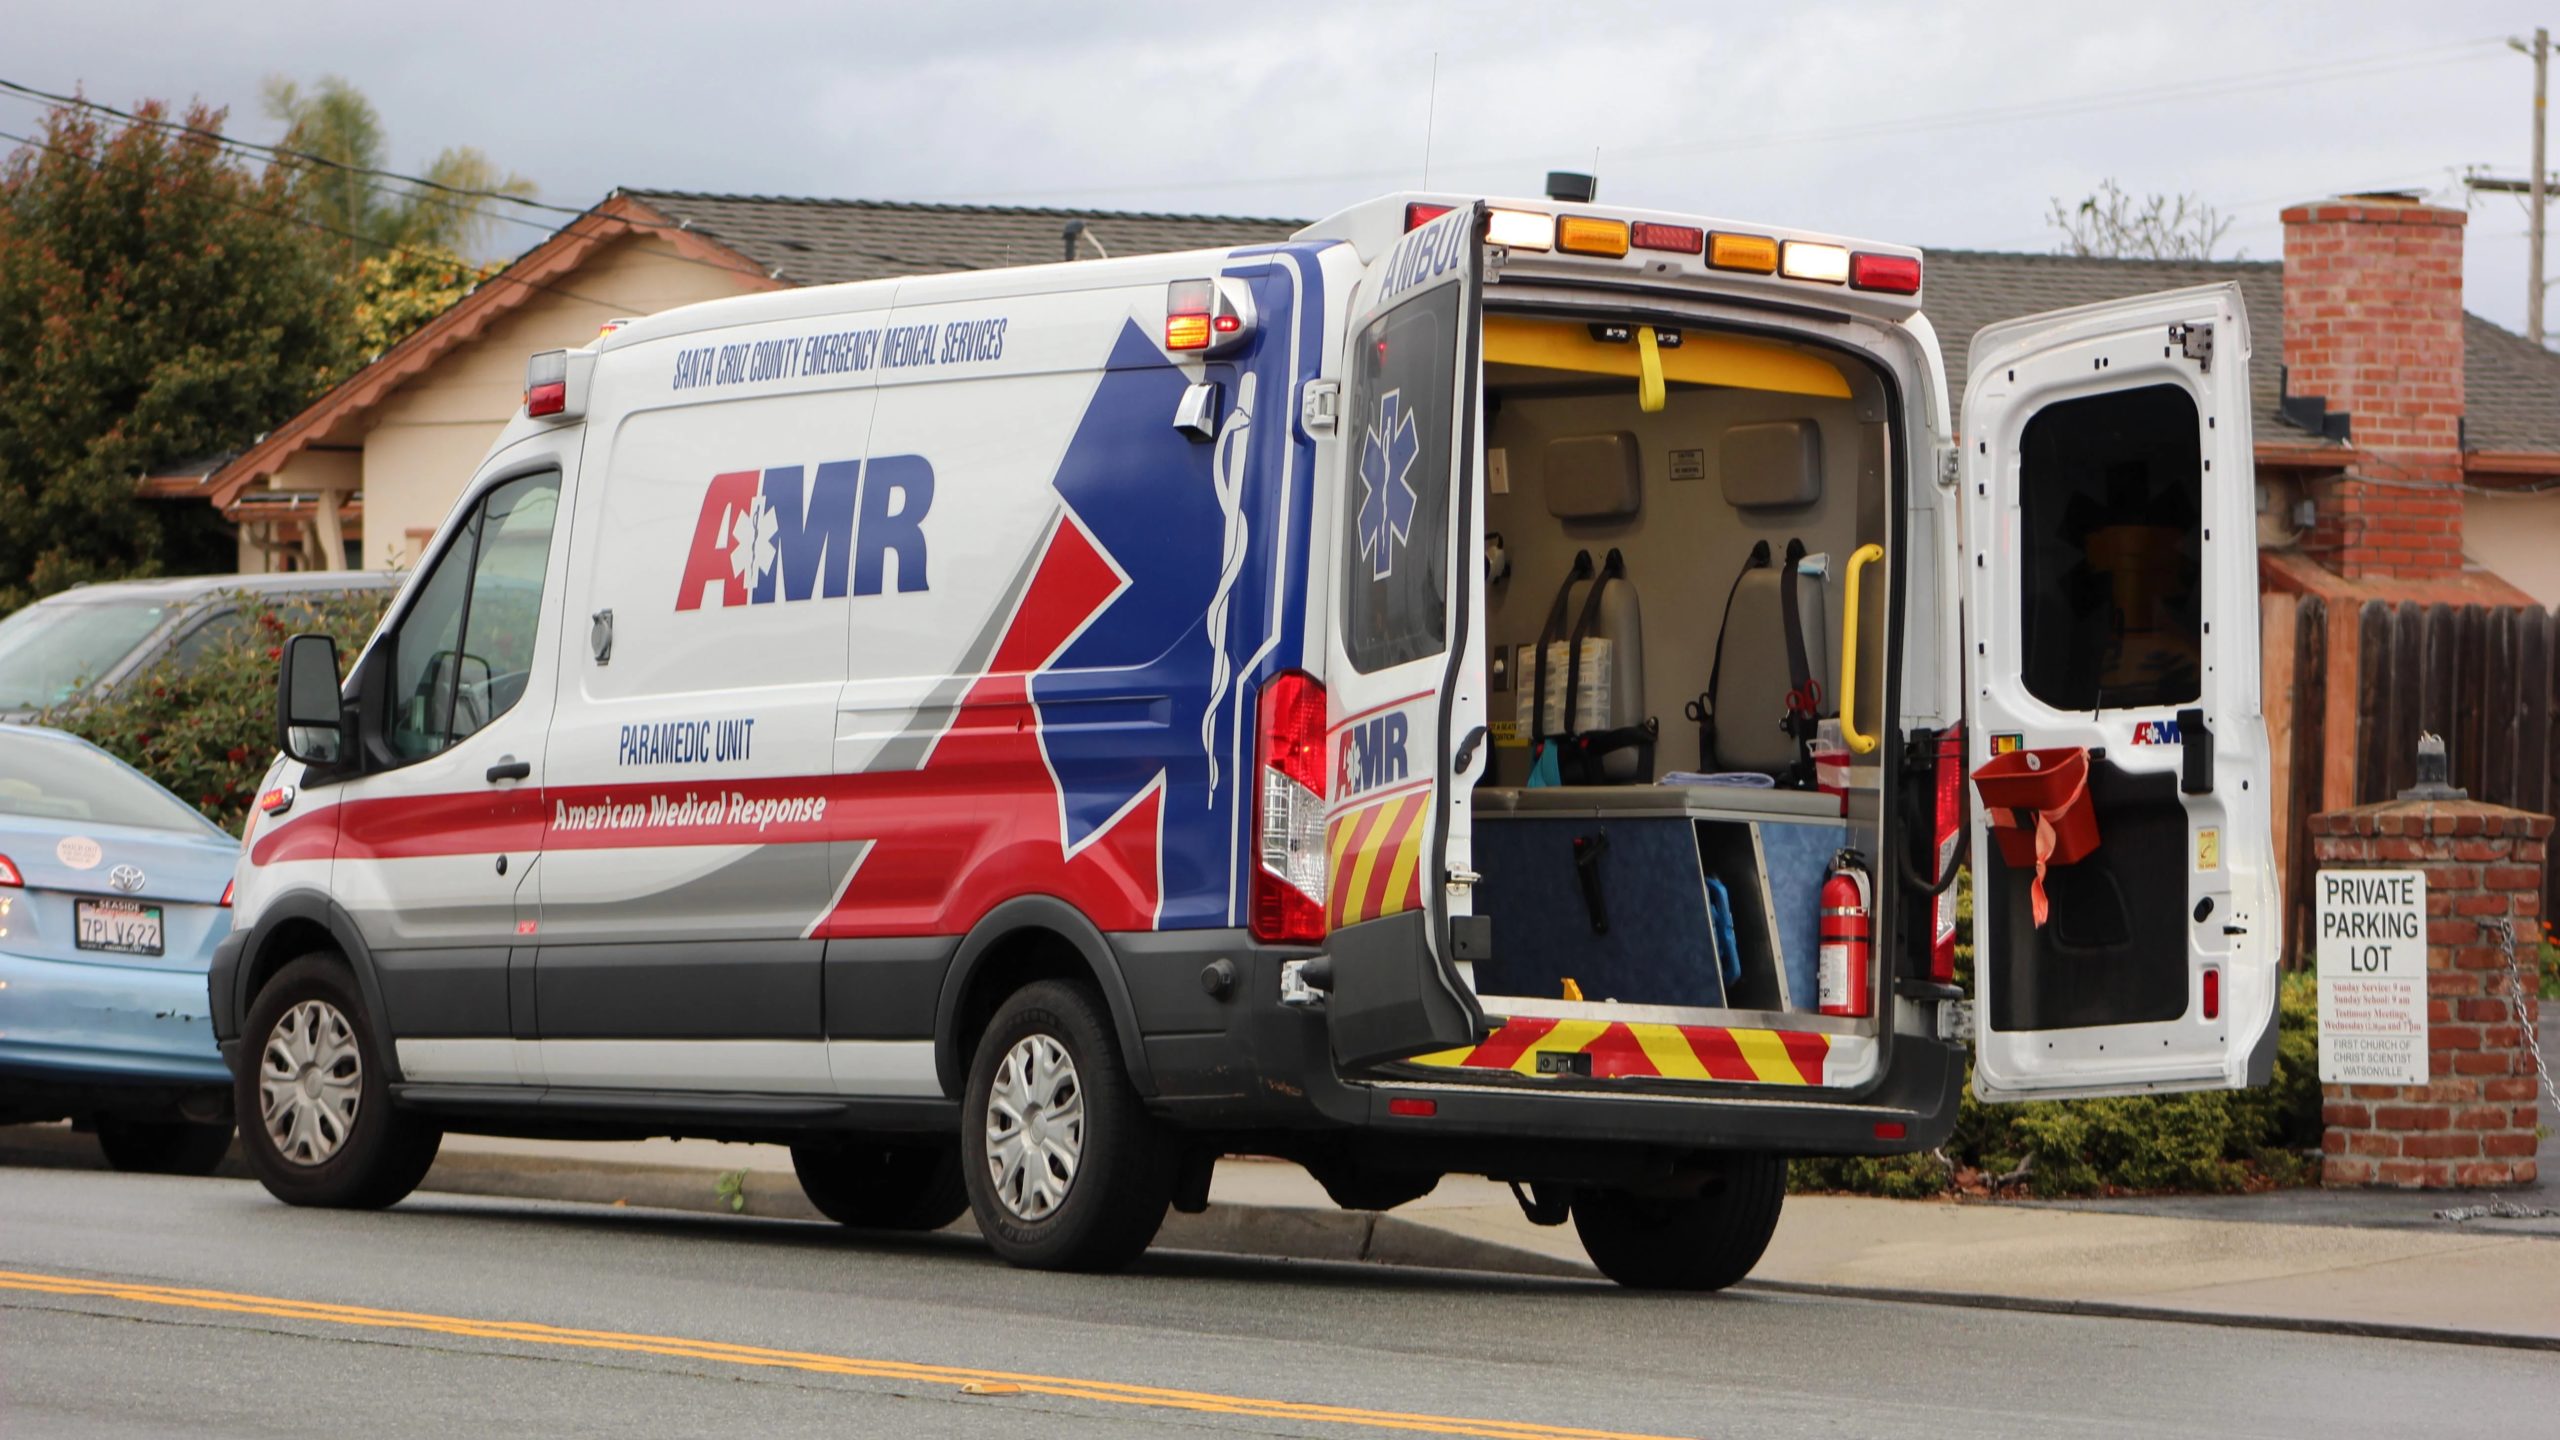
[[1755, 253], [1893, 274], [1591, 235], [1805, 260], [1520, 230]]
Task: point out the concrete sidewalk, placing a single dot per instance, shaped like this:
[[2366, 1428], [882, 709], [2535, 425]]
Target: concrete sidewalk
[[2461, 1281]]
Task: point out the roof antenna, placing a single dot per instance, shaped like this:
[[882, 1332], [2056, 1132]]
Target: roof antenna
[[1430, 115]]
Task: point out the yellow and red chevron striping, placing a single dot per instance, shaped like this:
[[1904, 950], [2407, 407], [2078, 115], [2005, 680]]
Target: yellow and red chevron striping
[[1375, 856], [1621, 1048]]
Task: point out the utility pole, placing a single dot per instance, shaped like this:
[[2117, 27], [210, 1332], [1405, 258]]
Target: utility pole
[[2541, 77], [2537, 188]]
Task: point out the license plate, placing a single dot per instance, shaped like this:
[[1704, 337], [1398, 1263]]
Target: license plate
[[119, 927]]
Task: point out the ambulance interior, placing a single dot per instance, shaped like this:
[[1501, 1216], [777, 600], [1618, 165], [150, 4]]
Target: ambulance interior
[[1647, 871]]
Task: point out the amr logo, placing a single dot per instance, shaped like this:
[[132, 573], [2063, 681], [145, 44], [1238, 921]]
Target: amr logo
[[1373, 754]]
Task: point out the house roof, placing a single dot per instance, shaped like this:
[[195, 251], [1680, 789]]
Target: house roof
[[2511, 386], [821, 242], [2512, 425]]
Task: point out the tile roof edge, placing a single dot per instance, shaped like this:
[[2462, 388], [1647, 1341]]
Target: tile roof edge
[[2048, 257], [943, 207]]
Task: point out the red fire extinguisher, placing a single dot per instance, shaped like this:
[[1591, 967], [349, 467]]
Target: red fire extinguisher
[[1847, 936]]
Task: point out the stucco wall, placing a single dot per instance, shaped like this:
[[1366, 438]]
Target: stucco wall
[[2518, 537], [422, 443]]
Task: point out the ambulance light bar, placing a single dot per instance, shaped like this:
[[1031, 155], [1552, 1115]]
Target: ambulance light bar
[[1819, 262]]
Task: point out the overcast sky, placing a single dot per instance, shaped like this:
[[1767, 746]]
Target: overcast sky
[[1950, 125]]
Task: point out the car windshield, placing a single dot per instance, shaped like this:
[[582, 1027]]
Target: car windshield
[[42, 778], [48, 651]]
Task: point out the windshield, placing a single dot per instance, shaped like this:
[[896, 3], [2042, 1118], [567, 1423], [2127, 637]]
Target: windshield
[[48, 651], [42, 778]]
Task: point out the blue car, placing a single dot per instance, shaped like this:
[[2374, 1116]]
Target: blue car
[[113, 893]]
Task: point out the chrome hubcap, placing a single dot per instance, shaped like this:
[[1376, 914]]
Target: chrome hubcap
[[310, 1081], [1035, 1127]]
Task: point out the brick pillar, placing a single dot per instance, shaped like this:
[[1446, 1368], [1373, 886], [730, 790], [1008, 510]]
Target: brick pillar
[[2373, 327], [2473, 1123]]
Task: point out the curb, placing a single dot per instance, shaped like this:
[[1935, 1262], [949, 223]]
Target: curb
[[2116, 1310], [1278, 1232]]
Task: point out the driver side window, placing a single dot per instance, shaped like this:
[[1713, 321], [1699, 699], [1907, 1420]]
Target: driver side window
[[464, 649]]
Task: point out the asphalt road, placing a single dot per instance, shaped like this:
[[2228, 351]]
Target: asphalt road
[[140, 1306]]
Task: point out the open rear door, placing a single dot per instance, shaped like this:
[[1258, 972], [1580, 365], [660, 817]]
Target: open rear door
[[1404, 676], [2112, 615]]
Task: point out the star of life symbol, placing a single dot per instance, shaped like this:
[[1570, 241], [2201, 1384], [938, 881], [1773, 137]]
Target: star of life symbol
[[751, 548], [1387, 497]]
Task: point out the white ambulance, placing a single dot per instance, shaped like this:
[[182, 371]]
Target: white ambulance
[[1479, 687]]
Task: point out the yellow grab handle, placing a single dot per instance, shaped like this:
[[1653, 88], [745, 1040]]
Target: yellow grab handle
[[1860, 559], [1651, 393]]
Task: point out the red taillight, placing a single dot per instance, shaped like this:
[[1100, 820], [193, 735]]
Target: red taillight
[[9, 873], [1289, 879], [1947, 831], [546, 383], [1684, 239], [2213, 994], [1893, 274], [1418, 213], [1417, 1109], [227, 887], [548, 399]]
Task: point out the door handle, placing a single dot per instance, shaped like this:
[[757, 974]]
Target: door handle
[[510, 769]]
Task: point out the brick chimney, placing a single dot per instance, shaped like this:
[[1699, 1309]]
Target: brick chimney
[[2373, 329]]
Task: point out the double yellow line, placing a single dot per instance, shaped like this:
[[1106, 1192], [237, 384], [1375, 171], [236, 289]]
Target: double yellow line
[[982, 1382]]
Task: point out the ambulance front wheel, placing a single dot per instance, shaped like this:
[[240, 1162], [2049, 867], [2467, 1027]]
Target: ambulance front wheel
[[1066, 1169], [1695, 1242], [313, 1095]]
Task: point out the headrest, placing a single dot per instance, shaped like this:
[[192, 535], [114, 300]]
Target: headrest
[[1772, 465], [1592, 477]]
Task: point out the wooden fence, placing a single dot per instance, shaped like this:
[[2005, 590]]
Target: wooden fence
[[2484, 678]]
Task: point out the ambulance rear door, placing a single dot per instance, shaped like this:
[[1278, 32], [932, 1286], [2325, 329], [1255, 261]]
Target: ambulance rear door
[[1405, 714], [2112, 624]]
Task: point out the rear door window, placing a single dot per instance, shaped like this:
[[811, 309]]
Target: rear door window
[[1395, 533]]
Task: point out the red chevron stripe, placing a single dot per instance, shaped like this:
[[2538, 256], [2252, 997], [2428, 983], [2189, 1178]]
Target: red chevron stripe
[[1715, 1050], [1503, 1049], [1808, 1049], [1614, 1052], [1381, 873]]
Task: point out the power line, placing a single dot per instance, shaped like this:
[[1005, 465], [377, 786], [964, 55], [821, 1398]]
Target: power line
[[466, 198], [500, 277], [2318, 72]]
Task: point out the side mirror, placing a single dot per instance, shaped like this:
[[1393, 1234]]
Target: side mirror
[[310, 718]]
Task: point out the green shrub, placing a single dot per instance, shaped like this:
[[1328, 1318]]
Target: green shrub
[[2211, 1140], [208, 731]]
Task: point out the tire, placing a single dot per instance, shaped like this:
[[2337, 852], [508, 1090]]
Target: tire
[[1701, 1242], [163, 1147], [313, 1096], [883, 1187], [1089, 1195]]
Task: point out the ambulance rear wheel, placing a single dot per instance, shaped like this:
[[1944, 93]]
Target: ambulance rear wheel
[[1066, 1169], [1694, 1242], [883, 1187]]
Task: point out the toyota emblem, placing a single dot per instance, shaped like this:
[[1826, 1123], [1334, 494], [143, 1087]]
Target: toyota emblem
[[127, 878]]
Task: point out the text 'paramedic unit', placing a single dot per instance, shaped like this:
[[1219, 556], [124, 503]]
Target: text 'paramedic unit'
[[1487, 687]]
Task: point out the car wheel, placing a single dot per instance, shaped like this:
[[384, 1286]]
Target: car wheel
[[314, 1097], [1696, 1242], [883, 1187], [1066, 1169], [163, 1147]]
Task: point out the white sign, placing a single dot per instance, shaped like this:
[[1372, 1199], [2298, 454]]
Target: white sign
[[2372, 953]]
